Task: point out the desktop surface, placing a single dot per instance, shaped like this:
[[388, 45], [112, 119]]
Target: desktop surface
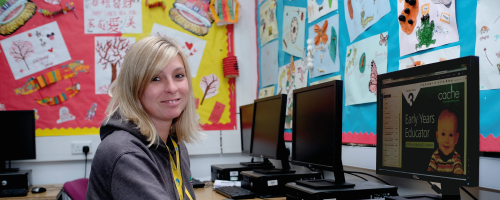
[[51, 193]]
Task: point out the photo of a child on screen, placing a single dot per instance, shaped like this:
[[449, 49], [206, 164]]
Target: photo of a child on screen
[[446, 158]]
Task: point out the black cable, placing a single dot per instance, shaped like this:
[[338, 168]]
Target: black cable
[[357, 176], [368, 175], [435, 187], [85, 175], [322, 174], [85, 150], [468, 193]]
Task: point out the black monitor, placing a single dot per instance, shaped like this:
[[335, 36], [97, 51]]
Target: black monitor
[[317, 132], [17, 138], [268, 132], [246, 122], [428, 124]]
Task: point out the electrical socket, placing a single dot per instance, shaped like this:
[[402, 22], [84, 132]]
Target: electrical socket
[[77, 146]]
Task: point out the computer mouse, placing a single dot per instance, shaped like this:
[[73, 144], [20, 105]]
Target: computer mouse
[[38, 190]]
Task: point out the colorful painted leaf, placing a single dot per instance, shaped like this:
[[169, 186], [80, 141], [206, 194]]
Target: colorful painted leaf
[[333, 45]]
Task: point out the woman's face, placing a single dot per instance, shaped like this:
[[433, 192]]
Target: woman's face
[[167, 95]]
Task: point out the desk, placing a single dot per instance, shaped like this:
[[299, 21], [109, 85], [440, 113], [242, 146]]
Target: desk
[[51, 194], [208, 194]]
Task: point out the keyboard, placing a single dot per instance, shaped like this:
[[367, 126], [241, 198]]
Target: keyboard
[[197, 183], [13, 192], [234, 192]]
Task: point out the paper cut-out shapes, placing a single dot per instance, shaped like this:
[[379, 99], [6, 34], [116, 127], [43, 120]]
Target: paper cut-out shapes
[[64, 115]]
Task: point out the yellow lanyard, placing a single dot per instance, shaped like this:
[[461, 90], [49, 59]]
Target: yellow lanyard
[[176, 171]]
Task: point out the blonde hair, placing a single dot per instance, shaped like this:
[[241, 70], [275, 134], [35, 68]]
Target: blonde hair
[[143, 61]]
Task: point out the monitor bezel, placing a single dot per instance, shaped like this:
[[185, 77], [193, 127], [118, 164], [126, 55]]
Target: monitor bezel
[[32, 154], [472, 73], [241, 128], [336, 125], [280, 147]]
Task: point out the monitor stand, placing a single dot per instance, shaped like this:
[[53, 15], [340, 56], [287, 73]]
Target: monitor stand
[[338, 183], [285, 168], [3, 169], [257, 164], [449, 191]]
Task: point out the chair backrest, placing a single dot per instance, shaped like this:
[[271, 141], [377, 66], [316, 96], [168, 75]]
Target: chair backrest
[[77, 189]]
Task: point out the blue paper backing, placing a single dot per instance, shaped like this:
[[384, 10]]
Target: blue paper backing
[[362, 117]]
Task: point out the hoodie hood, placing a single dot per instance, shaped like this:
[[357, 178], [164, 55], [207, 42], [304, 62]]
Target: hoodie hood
[[116, 123]]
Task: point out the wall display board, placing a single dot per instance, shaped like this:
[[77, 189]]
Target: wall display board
[[359, 126], [56, 63]]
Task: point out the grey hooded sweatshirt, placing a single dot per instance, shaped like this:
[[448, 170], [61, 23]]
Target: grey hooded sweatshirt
[[125, 168]]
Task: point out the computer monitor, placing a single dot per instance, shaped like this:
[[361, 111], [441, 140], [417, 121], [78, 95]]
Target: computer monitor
[[17, 138], [268, 132], [317, 132], [246, 122], [428, 124]]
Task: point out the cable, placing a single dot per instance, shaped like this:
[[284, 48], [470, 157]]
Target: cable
[[435, 187], [322, 174], [368, 175], [357, 176], [86, 150], [468, 193]]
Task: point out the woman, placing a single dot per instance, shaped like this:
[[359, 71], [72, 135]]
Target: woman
[[150, 116]]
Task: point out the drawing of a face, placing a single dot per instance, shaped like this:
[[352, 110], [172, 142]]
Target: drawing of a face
[[294, 29]]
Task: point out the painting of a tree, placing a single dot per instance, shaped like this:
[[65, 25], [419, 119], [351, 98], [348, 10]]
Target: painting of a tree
[[111, 53], [21, 50], [210, 86]]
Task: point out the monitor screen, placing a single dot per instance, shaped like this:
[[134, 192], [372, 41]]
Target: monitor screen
[[428, 122], [17, 138], [317, 124], [268, 126], [246, 122]]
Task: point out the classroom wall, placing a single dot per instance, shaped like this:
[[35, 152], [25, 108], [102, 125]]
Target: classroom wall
[[55, 164]]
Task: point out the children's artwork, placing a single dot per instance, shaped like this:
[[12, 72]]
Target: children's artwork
[[14, 14], [294, 30], [360, 15], [226, 11], [430, 57], [55, 2], [269, 63], [117, 16], [338, 77], [325, 46], [487, 39], [210, 86], [65, 115], [426, 24], [268, 25], [291, 76], [318, 8], [91, 112], [109, 54], [35, 50], [193, 46], [192, 15], [266, 92], [365, 60]]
